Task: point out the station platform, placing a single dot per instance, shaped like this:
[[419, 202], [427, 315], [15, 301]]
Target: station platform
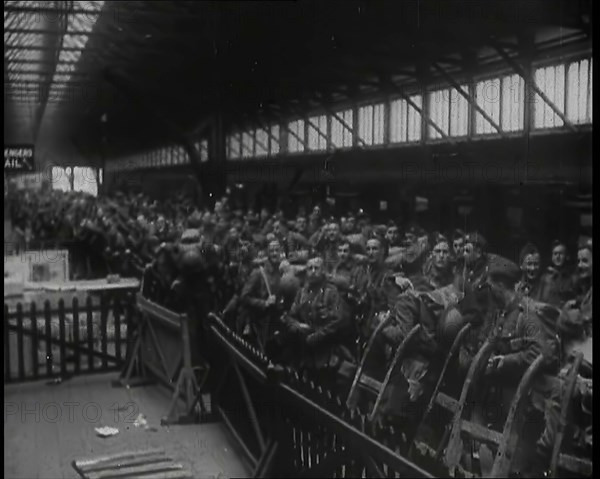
[[46, 427]]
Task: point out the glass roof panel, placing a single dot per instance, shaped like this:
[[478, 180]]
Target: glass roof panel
[[65, 67], [77, 23]]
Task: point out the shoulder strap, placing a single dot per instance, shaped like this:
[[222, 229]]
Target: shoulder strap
[[264, 277]]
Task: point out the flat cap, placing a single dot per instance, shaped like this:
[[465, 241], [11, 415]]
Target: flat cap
[[503, 268]]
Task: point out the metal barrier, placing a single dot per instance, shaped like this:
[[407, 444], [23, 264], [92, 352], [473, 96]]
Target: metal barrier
[[292, 426], [161, 351], [49, 343]]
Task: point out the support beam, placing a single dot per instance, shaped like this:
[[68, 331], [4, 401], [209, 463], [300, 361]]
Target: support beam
[[387, 82], [528, 79], [322, 99], [173, 130], [283, 125], [258, 124], [310, 122], [469, 98]]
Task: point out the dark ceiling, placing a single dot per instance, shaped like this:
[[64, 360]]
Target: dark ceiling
[[151, 64]]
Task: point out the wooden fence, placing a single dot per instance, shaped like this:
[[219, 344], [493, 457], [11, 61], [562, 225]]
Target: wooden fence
[[65, 340]]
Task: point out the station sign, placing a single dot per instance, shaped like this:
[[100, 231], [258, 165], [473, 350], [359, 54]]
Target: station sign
[[19, 158]]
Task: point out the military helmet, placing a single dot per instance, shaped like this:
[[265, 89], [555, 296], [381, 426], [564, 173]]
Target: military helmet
[[192, 262]]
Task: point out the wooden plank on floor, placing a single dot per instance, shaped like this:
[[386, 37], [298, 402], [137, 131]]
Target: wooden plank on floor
[[134, 471], [100, 462], [204, 450]]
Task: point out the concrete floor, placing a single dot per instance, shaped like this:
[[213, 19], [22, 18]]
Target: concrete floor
[[47, 427]]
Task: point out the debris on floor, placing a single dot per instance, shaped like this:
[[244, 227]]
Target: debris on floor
[[106, 431]]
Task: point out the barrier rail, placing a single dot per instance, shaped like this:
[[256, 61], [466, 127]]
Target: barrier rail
[[295, 427], [161, 351], [48, 343]]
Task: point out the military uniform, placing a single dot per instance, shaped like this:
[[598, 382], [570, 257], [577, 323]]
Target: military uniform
[[475, 274], [254, 297], [376, 288], [155, 287], [317, 306], [432, 279], [295, 243], [341, 274], [528, 329], [575, 328], [531, 289], [556, 286]]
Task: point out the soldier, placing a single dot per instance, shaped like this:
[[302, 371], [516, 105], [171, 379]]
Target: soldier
[[192, 294], [342, 271], [260, 294], [475, 260], [583, 281], [376, 288], [236, 266], [530, 284], [326, 243], [392, 236], [458, 244], [316, 325], [557, 282], [297, 244], [440, 271], [575, 328], [158, 277]]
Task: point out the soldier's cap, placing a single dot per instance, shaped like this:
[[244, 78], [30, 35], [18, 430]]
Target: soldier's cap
[[195, 220], [380, 230], [438, 238], [528, 249], [558, 242], [458, 233], [476, 239], [585, 242], [416, 230], [499, 267]]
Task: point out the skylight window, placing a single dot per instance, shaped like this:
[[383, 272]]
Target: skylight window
[[65, 67], [80, 22]]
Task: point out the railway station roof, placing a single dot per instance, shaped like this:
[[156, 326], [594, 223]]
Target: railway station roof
[[123, 70]]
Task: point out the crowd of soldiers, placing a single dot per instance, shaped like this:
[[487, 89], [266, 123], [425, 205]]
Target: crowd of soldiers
[[311, 292]]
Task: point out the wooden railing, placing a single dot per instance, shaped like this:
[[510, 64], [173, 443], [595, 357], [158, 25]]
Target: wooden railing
[[61, 341]]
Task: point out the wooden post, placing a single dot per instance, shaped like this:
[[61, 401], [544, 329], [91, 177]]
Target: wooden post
[[34, 342], [76, 352], [62, 337], [90, 333], [7, 372]]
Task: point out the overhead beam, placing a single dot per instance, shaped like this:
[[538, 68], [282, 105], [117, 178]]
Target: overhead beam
[[283, 124], [346, 126], [173, 130], [296, 111], [529, 80], [387, 82], [468, 97]]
